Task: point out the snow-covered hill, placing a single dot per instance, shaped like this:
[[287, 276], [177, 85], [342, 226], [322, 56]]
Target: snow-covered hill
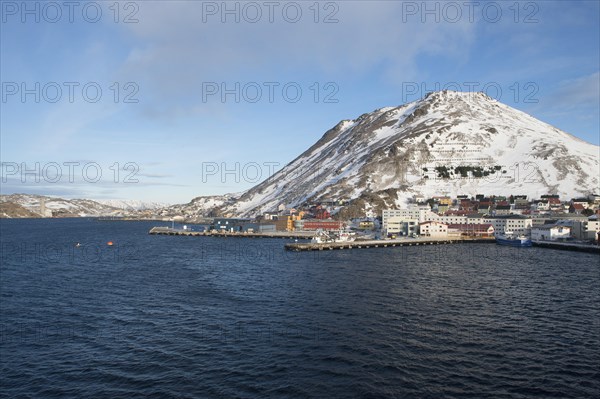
[[42, 206], [199, 207], [133, 205], [446, 143]]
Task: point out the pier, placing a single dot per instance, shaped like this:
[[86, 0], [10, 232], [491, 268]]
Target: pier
[[567, 246], [405, 242], [303, 235]]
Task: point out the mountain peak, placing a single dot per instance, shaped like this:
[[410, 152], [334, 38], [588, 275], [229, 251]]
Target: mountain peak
[[449, 143]]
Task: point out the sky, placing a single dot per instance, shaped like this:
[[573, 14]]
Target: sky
[[165, 101]]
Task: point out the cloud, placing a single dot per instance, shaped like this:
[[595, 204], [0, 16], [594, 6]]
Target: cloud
[[174, 51], [583, 91]]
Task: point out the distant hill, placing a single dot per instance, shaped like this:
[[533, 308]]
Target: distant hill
[[29, 205]]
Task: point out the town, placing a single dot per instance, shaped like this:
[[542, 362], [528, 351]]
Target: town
[[548, 218]]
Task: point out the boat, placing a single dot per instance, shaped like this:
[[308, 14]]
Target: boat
[[323, 237], [513, 240]]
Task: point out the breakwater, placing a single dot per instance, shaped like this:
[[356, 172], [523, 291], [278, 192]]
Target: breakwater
[[305, 235], [381, 243]]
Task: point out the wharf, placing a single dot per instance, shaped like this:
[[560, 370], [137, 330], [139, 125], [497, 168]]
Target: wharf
[[405, 242], [568, 246], [126, 219], [304, 235]]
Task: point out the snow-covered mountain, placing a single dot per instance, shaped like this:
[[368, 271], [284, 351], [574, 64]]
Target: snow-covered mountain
[[133, 205], [199, 207], [29, 205], [446, 143]]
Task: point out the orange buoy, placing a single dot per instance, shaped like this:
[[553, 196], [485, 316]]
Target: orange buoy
[[110, 243]]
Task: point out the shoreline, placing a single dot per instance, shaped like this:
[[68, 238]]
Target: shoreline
[[402, 242]]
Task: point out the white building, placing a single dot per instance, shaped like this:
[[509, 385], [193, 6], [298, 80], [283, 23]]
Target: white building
[[412, 212], [433, 229], [517, 224], [452, 219], [401, 226], [401, 221], [541, 205], [593, 229], [586, 229], [550, 232], [392, 219]]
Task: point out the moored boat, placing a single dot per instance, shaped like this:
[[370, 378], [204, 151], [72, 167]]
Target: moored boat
[[513, 240], [322, 237]]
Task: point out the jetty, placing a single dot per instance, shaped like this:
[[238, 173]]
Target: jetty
[[567, 246], [404, 242], [169, 231]]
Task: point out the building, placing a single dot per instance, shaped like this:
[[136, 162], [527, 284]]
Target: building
[[471, 230], [577, 208], [502, 210], [582, 229], [452, 219], [594, 198], [228, 224], [366, 225], [412, 212], [443, 200], [517, 224], [286, 223], [580, 201], [401, 226], [418, 213], [271, 216], [258, 227], [318, 224], [550, 232], [433, 229], [593, 229], [541, 206]]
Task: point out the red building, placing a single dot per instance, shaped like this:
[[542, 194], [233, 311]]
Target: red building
[[325, 224]]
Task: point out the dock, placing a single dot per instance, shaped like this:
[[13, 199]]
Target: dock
[[405, 242], [298, 235], [567, 246]]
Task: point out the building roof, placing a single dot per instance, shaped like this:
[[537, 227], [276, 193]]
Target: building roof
[[510, 217]]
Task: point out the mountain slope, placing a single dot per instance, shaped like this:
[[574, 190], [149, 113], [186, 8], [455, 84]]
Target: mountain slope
[[29, 205], [446, 143]]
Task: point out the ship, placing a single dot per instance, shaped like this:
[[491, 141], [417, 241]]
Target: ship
[[513, 240]]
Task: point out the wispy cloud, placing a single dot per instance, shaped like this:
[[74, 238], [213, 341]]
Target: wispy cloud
[[581, 92]]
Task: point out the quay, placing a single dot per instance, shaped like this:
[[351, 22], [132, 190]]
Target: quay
[[304, 235], [382, 243], [126, 219], [567, 246]]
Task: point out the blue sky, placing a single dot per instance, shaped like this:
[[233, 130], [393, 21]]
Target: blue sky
[[163, 128]]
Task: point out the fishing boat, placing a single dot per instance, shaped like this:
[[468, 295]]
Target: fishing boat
[[513, 240], [322, 237]]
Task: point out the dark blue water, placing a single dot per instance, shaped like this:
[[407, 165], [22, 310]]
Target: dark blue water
[[160, 316]]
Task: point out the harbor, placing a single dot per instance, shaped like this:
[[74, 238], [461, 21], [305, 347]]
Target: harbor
[[169, 231], [359, 244]]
